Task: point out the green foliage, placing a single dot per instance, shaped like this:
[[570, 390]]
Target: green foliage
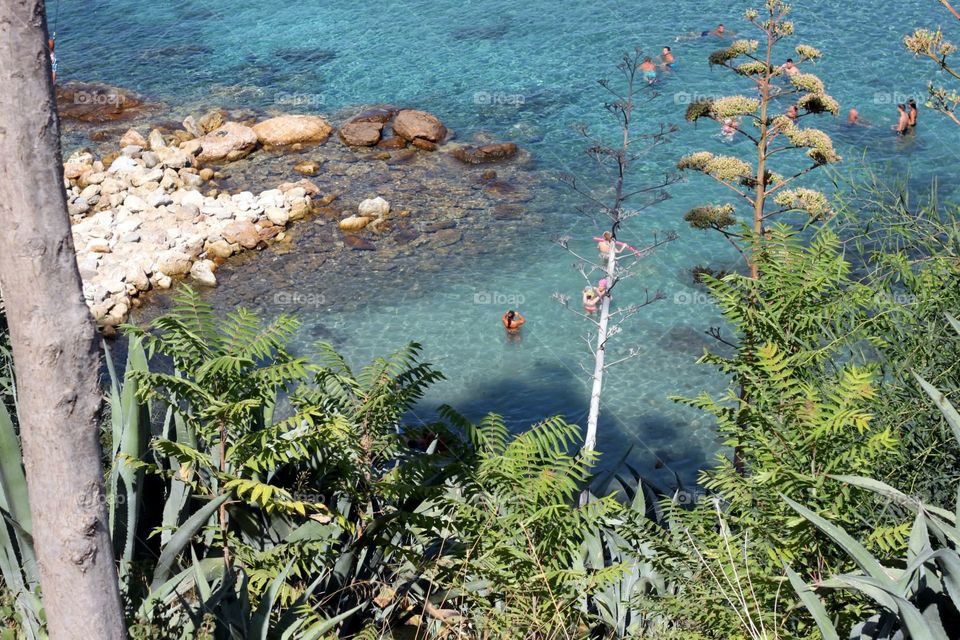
[[918, 596], [906, 251]]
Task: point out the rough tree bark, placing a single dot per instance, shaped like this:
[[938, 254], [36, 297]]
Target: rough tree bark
[[54, 343]]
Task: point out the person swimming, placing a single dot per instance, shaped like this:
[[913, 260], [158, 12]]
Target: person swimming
[[903, 122], [649, 70], [789, 69], [729, 128], [792, 112], [719, 32], [912, 105], [853, 117], [590, 299], [666, 58], [512, 321]]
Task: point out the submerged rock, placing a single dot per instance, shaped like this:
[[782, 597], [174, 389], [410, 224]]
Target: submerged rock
[[98, 103], [485, 153], [357, 243], [361, 134]]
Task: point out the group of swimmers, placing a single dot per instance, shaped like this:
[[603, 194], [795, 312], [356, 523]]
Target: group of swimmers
[[591, 297]]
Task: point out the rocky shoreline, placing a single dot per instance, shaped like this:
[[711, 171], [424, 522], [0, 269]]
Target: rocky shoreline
[[180, 201]]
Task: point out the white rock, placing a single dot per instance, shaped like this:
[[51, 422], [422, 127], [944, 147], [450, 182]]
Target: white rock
[[296, 192], [131, 151], [153, 175], [277, 216], [373, 207], [155, 140], [270, 198], [150, 159], [123, 164], [129, 225], [134, 203], [159, 199], [192, 197], [161, 281], [95, 177], [202, 272]]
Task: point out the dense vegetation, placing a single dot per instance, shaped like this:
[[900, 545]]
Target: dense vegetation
[[255, 493]]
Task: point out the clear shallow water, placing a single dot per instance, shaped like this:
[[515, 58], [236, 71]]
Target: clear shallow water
[[522, 71]]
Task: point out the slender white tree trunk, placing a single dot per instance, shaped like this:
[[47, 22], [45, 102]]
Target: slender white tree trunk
[[590, 441], [54, 343]]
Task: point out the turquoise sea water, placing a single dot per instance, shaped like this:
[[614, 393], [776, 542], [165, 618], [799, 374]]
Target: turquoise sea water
[[523, 71]]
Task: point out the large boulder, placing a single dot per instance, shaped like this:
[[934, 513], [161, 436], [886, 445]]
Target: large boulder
[[286, 130], [411, 124], [361, 134], [230, 142], [485, 153]]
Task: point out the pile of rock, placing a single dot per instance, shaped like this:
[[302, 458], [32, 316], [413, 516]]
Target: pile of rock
[[141, 222], [391, 128]]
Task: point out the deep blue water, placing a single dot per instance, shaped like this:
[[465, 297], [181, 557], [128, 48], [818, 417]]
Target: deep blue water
[[524, 71]]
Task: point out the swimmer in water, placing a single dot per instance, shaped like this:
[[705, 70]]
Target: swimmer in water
[[853, 117], [912, 106], [605, 243], [719, 32], [602, 288], [590, 299], [667, 59], [729, 128], [649, 70], [903, 121], [792, 112], [789, 69], [512, 321]]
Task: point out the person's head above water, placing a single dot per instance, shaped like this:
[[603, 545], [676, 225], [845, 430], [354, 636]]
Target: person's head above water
[[511, 314], [666, 50], [607, 235], [902, 107], [912, 103], [720, 28], [853, 115]]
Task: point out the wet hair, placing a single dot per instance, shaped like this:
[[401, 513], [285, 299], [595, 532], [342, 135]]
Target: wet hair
[[667, 49], [511, 314], [902, 106], [790, 60], [912, 102], [647, 59]]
